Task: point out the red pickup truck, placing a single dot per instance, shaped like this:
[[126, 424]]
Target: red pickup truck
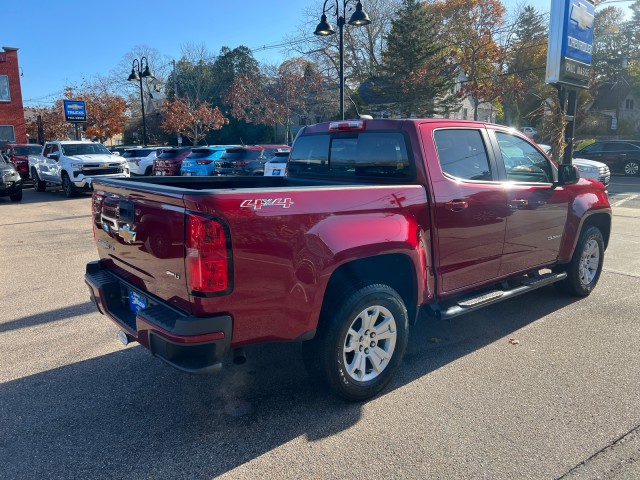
[[375, 221]]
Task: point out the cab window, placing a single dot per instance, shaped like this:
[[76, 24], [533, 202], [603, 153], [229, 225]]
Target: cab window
[[522, 161], [462, 154]]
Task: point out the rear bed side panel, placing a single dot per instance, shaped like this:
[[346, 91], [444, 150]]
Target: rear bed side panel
[[286, 243], [140, 237]]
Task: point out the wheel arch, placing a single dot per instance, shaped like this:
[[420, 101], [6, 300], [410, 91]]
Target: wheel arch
[[395, 270]]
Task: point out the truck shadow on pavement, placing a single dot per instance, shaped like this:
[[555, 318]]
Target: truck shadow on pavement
[[47, 317], [127, 415]]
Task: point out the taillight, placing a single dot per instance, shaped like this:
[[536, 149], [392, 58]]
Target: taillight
[[204, 162], [207, 259]]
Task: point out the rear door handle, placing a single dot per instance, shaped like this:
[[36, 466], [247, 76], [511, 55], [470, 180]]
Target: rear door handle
[[518, 203], [456, 205]]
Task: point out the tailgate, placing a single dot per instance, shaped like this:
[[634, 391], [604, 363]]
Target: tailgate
[[140, 236]]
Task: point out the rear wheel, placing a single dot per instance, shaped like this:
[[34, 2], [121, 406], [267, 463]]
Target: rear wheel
[[631, 167], [585, 267], [68, 187], [147, 172], [361, 342], [38, 185]]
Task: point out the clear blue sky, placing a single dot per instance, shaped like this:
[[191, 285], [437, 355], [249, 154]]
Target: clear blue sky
[[62, 41]]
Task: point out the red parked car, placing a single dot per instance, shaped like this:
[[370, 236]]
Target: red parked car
[[18, 154], [170, 161]]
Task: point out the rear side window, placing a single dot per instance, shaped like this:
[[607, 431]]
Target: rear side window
[[368, 154], [462, 154]]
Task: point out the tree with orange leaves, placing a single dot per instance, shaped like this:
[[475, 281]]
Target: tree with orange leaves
[[53, 124], [470, 28], [106, 112], [191, 119]]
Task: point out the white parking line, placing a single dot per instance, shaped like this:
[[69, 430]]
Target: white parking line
[[624, 200]]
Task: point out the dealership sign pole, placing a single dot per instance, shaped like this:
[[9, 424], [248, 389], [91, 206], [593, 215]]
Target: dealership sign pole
[[569, 57]]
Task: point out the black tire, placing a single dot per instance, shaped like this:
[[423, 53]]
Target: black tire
[[148, 172], [38, 185], [16, 197], [631, 168], [346, 362], [585, 267], [68, 187]]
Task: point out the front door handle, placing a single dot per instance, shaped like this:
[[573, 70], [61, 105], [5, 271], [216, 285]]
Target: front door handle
[[456, 205]]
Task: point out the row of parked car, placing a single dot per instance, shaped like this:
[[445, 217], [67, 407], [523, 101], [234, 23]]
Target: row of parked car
[[207, 161]]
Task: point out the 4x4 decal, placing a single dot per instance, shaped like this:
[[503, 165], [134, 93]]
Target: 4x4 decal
[[258, 203]]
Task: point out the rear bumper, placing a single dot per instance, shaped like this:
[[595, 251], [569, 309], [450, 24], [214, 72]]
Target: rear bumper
[[190, 344], [199, 171]]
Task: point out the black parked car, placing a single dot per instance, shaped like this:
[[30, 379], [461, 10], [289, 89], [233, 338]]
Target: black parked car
[[10, 181], [622, 156], [248, 160]]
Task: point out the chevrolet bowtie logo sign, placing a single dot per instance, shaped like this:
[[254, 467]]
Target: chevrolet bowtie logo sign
[[580, 14]]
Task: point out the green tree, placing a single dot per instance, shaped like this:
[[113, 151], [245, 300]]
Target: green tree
[[418, 78]]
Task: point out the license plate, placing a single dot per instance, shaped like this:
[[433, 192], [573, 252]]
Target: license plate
[[159, 174], [137, 302], [188, 174]]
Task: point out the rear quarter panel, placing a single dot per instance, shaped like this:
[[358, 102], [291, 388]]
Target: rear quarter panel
[[284, 251]]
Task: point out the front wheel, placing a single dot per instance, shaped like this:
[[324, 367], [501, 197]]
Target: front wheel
[[68, 187], [585, 267], [38, 185], [631, 167], [16, 197], [361, 343]]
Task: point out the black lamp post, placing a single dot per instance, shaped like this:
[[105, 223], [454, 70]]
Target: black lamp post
[[324, 28], [139, 70]]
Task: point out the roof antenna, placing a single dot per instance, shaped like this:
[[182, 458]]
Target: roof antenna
[[363, 117]]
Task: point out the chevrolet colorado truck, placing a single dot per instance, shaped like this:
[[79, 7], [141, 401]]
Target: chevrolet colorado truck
[[375, 221], [73, 165]]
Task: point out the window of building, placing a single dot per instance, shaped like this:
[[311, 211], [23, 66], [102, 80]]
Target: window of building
[[5, 96], [7, 133], [629, 104]]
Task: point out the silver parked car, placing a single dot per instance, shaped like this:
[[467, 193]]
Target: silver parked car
[[588, 168]]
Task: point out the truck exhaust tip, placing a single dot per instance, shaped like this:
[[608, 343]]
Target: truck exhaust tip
[[239, 357], [124, 338]]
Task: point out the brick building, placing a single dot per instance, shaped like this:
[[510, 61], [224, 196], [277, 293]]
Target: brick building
[[12, 125]]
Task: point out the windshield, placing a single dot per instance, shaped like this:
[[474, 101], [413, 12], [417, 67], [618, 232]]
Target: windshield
[[71, 149], [24, 151]]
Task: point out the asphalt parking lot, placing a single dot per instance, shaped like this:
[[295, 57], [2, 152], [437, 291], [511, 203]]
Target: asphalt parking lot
[[541, 386]]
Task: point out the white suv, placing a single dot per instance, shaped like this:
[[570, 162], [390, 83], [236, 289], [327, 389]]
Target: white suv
[[73, 165], [140, 160]]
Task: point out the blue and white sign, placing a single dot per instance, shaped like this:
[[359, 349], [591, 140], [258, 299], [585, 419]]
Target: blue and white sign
[[570, 42], [74, 111]]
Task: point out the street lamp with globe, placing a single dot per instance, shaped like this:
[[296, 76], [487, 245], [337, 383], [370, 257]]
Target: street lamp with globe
[[358, 19], [139, 70]]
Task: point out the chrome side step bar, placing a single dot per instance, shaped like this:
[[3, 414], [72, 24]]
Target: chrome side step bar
[[469, 304]]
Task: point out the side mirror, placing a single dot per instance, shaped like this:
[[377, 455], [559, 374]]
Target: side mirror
[[568, 174], [115, 153]]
